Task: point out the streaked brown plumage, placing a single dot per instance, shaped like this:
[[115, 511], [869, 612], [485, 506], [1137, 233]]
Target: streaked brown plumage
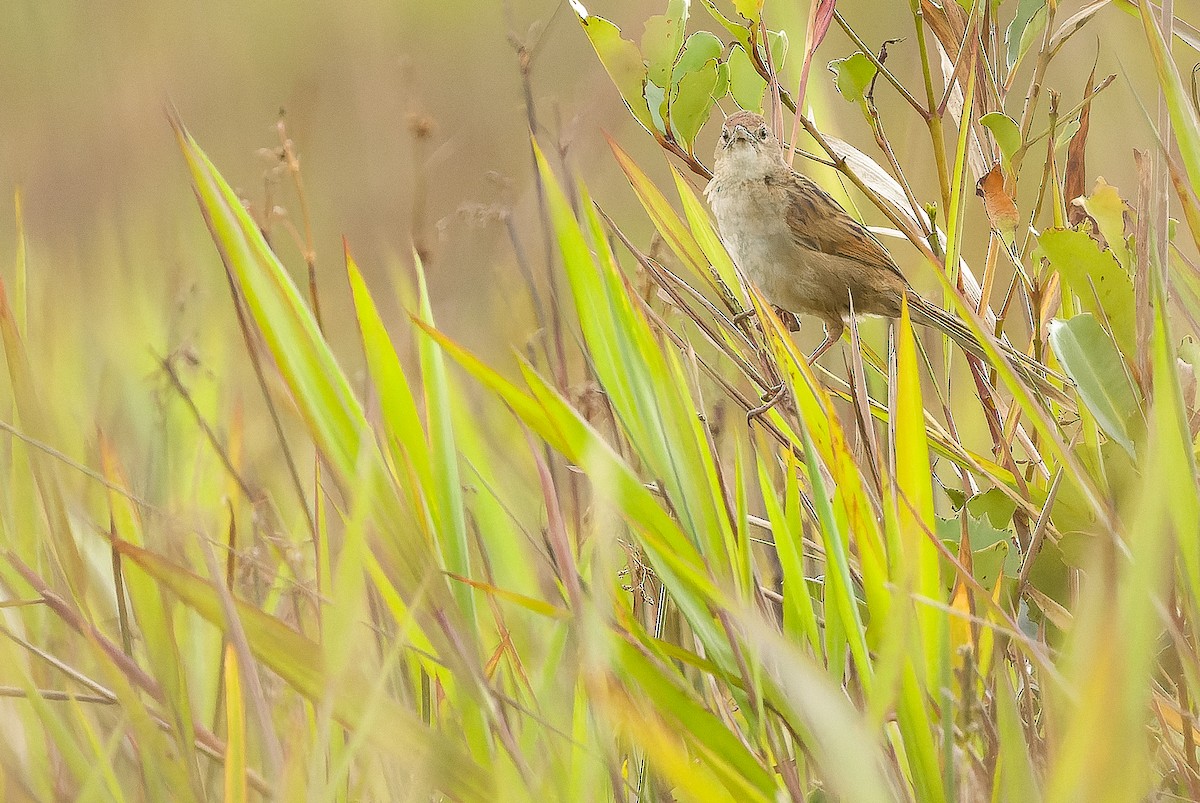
[[803, 250]]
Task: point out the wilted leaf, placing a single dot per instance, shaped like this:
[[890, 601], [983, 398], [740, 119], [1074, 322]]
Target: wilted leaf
[[1074, 22], [1075, 172], [1090, 358], [1005, 131], [1001, 210], [1096, 278], [745, 84], [822, 18], [874, 176]]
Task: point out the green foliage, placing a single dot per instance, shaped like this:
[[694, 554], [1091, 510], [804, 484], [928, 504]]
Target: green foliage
[[614, 572]]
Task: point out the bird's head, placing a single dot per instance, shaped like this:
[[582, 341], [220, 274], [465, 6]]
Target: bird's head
[[746, 139]]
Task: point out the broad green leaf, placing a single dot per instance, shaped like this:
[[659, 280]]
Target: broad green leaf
[[1006, 132], [852, 76], [661, 38], [1090, 358], [1027, 25], [993, 550], [745, 84], [994, 506], [1063, 137], [1097, 280], [693, 103], [750, 10], [1106, 206], [722, 87], [622, 60], [778, 41], [700, 48], [739, 32]]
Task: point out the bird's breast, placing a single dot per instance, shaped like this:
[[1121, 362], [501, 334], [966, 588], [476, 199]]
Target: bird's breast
[[751, 217]]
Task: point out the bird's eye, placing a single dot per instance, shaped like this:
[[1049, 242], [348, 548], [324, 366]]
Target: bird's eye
[[724, 135], [762, 133]]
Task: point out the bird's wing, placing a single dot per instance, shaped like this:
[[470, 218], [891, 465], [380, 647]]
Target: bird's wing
[[819, 223]]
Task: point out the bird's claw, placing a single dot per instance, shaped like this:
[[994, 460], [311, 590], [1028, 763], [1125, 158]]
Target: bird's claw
[[769, 399]]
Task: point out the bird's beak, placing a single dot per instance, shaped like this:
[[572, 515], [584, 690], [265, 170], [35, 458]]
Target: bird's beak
[[739, 133]]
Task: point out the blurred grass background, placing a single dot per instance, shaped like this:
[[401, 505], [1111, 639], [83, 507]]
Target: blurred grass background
[[121, 270]]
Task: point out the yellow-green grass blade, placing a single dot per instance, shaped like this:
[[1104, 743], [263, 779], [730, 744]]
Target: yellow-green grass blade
[[665, 219], [65, 551], [300, 662], [705, 236], [450, 516], [799, 614], [843, 510], [668, 698], [318, 386], [646, 384], [154, 614], [1111, 659], [672, 554], [1184, 117], [320, 389], [235, 730], [848, 757], [916, 568], [1016, 778], [403, 431]]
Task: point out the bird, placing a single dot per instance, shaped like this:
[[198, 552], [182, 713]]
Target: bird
[[806, 254]]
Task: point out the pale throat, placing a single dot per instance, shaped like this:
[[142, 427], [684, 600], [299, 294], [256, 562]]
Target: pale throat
[[743, 162]]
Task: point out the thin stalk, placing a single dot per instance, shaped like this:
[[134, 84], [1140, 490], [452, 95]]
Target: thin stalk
[[934, 120]]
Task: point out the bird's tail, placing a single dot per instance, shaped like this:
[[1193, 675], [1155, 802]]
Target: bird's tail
[[1030, 370]]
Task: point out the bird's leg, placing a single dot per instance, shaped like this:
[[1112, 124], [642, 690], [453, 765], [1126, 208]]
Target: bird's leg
[[770, 399], [833, 333], [744, 316]]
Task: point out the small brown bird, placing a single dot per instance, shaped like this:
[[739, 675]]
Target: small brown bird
[[800, 247]]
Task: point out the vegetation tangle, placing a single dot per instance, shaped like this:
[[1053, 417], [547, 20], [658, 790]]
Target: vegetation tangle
[[666, 558]]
